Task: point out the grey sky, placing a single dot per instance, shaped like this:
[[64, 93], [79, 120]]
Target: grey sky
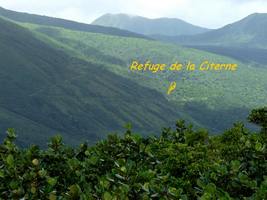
[[207, 13]]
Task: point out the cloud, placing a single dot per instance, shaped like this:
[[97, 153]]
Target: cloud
[[207, 13]]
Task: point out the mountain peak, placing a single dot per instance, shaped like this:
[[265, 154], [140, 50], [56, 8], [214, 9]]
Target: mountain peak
[[250, 31], [255, 20], [68, 24], [147, 26], [257, 14], [118, 15]]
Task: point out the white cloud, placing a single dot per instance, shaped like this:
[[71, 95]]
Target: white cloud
[[208, 13]]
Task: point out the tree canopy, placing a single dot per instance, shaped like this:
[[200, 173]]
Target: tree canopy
[[181, 163]]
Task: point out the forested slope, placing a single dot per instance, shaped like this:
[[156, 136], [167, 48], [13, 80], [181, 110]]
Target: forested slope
[[46, 89]]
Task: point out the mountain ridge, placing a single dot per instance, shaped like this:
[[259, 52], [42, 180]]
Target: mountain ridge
[[52, 21], [250, 32], [147, 26]]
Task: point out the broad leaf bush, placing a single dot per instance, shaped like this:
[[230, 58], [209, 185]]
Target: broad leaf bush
[[179, 164]]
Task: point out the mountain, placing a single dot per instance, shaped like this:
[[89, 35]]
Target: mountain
[[249, 32], [212, 99], [142, 25], [50, 21], [45, 90], [61, 80], [256, 56]]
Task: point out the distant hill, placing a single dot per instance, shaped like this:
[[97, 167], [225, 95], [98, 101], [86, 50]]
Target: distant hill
[[142, 25], [50, 21], [246, 55], [46, 91], [248, 32]]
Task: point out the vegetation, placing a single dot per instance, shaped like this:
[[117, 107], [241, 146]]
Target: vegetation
[[207, 97], [57, 78], [254, 56], [215, 85], [46, 90], [180, 164]]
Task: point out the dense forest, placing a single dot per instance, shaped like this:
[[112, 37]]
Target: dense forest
[[181, 163]]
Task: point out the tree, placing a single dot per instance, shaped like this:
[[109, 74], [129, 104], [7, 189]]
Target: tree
[[259, 117]]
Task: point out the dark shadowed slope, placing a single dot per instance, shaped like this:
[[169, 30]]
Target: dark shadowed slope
[[246, 55]]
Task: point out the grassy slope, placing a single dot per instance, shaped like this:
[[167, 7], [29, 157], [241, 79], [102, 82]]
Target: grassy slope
[[206, 96], [47, 89]]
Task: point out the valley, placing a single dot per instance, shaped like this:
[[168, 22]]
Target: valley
[[134, 100], [228, 87], [79, 81], [48, 89]]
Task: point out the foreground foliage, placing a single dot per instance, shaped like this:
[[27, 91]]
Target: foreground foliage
[[179, 164]]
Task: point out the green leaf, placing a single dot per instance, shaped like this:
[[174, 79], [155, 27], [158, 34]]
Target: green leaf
[[146, 187], [52, 181], [107, 196], [123, 169], [258, 146], [2, 174], [11, 133], [10, 160], [74, 191], [235, 165]]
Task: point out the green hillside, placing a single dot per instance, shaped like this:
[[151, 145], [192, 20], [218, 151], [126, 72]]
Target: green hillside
[[248, 32], [146, 26], [78, 83], [44, 88], [208, 97]]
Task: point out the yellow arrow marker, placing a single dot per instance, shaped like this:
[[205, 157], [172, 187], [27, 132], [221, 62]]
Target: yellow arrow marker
[[172, 87]]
